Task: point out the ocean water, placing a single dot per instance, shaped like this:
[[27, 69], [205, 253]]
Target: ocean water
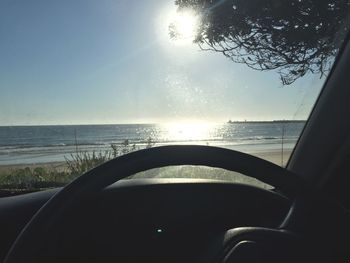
[[40, 144]]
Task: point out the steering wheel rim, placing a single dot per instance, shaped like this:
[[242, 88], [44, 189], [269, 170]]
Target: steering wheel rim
[[28, 242]]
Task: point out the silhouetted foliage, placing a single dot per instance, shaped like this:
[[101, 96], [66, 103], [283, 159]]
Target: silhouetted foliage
[[294, 37]]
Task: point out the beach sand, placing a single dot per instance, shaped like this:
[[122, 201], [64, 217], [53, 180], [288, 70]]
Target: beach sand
[[275, 156], [272, 156]]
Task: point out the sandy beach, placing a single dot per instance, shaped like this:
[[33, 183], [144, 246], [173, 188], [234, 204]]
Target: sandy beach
[[275, 156], [272, 156]]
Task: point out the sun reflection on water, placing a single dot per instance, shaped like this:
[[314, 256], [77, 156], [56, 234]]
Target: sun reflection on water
[[187, 131]]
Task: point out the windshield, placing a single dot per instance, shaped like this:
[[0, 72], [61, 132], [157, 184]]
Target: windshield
[[86, 81]]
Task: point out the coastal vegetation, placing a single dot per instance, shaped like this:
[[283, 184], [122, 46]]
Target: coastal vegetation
[[39, 177], [36, 177], [271, 35]]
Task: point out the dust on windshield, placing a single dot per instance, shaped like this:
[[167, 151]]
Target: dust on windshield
[[85, 82]]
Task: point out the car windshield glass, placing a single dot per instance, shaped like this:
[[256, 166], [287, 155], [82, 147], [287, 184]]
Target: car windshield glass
[[86, 81], [182, 172]]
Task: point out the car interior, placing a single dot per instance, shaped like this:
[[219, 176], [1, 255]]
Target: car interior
[[99, 217]]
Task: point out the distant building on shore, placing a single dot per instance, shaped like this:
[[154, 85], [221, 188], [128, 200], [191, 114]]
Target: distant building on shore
[[273, 121]]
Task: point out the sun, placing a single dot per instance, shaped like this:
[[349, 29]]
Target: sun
[[183, 26]]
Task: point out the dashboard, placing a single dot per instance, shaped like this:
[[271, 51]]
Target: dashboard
[[161, 220]]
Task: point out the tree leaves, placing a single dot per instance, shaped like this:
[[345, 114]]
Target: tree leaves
[[293, 37]]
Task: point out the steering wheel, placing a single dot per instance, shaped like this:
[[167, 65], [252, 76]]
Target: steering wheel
[[29, 242]]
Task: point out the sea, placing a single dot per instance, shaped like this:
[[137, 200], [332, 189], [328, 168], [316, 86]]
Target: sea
[[44, 144]]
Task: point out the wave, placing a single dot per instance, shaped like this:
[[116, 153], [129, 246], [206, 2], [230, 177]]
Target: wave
[[23, 146], [69, 147], [36, 144]]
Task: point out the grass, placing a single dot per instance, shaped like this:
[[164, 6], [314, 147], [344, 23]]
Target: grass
[[30, 179], [37, 178], [34, 178]]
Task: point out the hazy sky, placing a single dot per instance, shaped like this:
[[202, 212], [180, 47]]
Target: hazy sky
[[105, 61]]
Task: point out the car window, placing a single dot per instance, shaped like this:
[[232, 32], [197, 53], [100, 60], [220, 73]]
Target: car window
[[198, 172], [83, 82]]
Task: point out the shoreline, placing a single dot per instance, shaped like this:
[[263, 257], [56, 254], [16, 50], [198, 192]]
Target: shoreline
[[273, 156]]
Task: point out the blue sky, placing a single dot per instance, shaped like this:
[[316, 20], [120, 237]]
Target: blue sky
[[84, 61]]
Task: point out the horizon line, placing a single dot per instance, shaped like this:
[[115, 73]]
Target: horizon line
[[151, 123]]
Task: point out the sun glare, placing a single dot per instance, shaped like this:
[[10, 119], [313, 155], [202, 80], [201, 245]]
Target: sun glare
[[183, 26], [187, 131]]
